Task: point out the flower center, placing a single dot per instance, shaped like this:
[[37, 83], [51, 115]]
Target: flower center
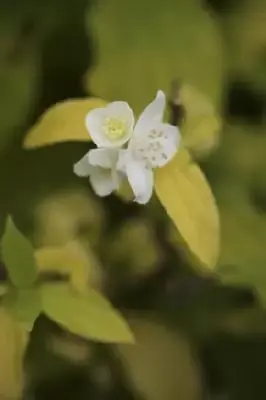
[[114, 128]]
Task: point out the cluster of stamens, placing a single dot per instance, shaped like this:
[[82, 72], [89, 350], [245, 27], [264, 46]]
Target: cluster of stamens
[[114, 128], [151, 149]]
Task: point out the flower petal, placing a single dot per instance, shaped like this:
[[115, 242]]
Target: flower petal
[[94, 122], [123, 157], [121, 109], [157, 146], [111, 126], [153, 113], [139, 177], [82, 168], [102, 181], [105, 158]]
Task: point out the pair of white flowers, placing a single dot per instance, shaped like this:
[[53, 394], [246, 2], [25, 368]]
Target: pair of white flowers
[[128, 150]]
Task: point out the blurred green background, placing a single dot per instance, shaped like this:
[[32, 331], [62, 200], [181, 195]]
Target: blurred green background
[[200, 338]]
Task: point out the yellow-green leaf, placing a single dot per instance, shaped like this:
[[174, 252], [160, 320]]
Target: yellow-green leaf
[[202, 126], [18, 256], [20, 81], [88, 315], [3, 289], [13, 341], [145, 363], [243, 258], [24, 305], [63, 122], [167, 45], [72, 261], [187, 197]]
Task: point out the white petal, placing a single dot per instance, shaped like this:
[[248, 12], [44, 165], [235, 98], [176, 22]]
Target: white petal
[[105, 158], [117, 177], [101, 130], [152, 114], [102, 181], [123, 157], [94, 123], [140, 179], [157, 146], [121, 109], [82, 168]]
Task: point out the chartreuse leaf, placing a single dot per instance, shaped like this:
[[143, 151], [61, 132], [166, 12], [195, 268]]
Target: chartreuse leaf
[[88, 315], [166, 45], [63, 122], [71, 261], [20, 81], [24, 304], [243, 239], [202, 126], [184, 192], [13, 341], [18, 256], [158, 346], [3, 289]]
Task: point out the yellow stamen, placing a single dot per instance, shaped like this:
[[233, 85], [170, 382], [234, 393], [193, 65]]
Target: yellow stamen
[[114, 128]]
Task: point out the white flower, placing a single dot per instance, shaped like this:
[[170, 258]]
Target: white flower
[[111, 126], [100, 166], [152, 145]]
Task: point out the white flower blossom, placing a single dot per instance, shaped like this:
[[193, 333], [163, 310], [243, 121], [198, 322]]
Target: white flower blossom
[[111, 126], [153, 144], [100, 166]]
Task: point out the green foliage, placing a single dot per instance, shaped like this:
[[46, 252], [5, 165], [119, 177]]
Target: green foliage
[[63, 122], [24, 305], [3, 289], [88, 315], [238, 166], [82, 312], [13, 340], [184, 192], [19, 72], [18, 255], [201, 127], [143, 45]]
